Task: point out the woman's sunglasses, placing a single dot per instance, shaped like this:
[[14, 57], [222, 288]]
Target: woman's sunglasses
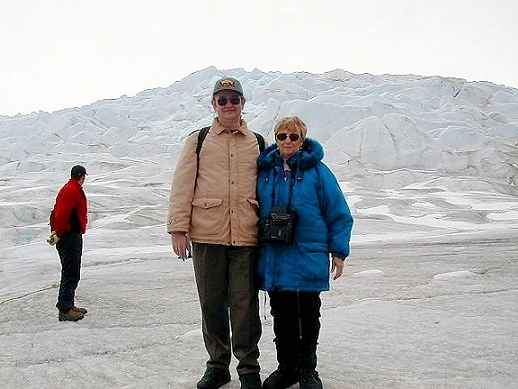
[[223, 100], [283, 136]]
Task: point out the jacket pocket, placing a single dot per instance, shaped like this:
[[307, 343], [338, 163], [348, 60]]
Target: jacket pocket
[[207, 216], [206, 203]]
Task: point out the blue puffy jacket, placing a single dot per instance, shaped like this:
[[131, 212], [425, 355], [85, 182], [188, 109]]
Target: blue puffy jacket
[[324, 221]]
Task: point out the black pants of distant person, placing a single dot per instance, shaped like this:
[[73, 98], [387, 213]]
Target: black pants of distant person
[[225, 277], [296, 325], [70, 248]]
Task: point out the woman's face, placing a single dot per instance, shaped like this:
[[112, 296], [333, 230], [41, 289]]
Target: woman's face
[[288, 142]]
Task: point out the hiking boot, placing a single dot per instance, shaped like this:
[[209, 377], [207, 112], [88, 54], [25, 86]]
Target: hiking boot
[[84, 311], [250, 381], [213, 378], [70, 315], [309, 379], [281, 379]]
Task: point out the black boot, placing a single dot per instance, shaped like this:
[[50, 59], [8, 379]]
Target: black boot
[[285, 324], [309, 379], [310, 328], [213, 378], [286, 373], [308, 376], [250, 381], [281, 379]]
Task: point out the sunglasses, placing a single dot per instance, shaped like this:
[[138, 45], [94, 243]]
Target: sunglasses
[[283, 136], [223, 100]]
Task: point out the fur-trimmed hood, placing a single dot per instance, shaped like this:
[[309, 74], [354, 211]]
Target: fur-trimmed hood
[[307, 157]]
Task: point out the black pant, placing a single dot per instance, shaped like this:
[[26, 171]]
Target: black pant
[[296, 325], [225, 276], [70, 248]]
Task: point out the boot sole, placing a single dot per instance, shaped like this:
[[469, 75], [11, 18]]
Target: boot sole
[[285, 386], [65, 319], [215, 387]]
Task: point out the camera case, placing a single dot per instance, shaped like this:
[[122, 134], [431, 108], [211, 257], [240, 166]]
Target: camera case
[[278, 226]]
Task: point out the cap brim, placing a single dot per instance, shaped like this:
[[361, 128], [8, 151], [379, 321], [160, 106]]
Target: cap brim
[[227, 90]]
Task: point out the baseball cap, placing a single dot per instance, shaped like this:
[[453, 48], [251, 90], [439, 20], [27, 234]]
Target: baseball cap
[[78, 171], [228, 83]]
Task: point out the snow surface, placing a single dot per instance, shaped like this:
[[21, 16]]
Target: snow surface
[[428, 299]]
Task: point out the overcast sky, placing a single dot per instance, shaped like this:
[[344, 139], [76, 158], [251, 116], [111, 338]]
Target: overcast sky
[[65, 53]]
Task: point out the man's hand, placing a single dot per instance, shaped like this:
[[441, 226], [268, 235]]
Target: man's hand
[[337, 267], [53, 238], [181, 245]]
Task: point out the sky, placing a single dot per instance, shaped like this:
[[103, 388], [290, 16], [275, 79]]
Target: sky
[[59, 54]]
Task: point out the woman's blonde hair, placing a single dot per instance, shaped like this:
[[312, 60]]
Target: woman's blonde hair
[[291, 123]]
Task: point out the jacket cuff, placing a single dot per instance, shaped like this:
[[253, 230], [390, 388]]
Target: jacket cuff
[[340, 256], [172, 228]]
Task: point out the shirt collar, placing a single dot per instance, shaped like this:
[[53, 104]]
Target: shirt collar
[[218, 127]]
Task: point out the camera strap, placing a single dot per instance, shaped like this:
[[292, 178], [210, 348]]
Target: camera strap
[[290, 188]]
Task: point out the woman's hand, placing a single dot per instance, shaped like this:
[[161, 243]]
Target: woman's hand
[[337, 267]]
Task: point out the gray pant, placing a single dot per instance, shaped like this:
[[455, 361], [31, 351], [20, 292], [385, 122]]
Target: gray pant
[[225, 276]]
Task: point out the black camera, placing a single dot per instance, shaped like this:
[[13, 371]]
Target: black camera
[[279, 226]]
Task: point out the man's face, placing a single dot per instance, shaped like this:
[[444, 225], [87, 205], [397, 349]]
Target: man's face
[[82, 180], [228, 105]]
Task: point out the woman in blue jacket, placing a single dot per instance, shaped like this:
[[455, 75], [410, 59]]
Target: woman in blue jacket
[[304, 220]]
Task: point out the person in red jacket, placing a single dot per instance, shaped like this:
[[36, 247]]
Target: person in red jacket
[[68, 222]]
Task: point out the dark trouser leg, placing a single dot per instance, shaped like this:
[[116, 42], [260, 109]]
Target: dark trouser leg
[[210, 269], [309, 303], [244, 308], [70, 248], [284, 310]]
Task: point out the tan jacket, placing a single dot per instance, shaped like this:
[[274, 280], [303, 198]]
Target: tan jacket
[[221, 206]]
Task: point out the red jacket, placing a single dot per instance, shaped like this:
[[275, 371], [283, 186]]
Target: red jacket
[[70, 211]]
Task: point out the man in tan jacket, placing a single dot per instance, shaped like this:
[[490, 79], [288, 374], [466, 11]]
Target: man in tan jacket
[[213, 204]]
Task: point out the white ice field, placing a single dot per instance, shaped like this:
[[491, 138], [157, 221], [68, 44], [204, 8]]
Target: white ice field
[[429, 298]]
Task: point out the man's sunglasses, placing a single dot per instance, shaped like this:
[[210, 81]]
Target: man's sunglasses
[[223, 100], [283, 136]]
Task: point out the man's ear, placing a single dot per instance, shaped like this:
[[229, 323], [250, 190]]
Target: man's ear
[[243, 101], [213, 102]]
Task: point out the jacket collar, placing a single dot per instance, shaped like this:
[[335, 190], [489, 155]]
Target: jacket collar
[[218, 127], [75, 184]]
